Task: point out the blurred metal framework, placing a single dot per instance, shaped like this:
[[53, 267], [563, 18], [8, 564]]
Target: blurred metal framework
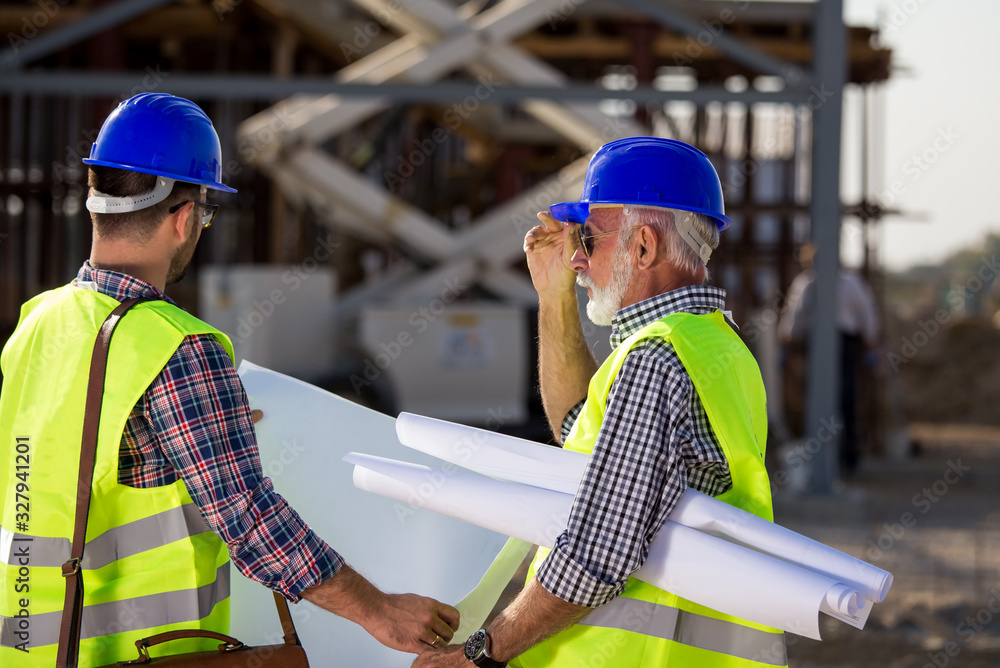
[[323, 105]]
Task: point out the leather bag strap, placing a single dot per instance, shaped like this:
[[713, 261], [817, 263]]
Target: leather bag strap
[[69, 630], [287, 626]]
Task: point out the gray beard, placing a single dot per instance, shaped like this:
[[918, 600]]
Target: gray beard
[[603, 306]]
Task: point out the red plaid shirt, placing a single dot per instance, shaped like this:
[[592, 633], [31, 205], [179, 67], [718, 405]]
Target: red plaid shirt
[[194, 423]]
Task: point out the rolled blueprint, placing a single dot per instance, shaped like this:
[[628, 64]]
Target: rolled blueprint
[[718, 518], [744, 583], [491, 504], [530, 463], [496, 455]]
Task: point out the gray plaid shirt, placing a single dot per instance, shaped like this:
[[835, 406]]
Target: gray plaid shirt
[[654, 443]]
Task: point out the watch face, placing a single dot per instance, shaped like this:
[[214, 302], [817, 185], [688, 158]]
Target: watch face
[[475, 646]]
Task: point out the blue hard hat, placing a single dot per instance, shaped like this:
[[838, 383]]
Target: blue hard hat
[[648, 171], [161, 134]]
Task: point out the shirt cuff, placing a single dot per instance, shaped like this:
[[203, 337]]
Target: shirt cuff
[[570, 419], [566, 578], [312, 562]]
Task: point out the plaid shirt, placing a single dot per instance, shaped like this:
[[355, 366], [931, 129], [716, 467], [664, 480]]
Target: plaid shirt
[[194, 423], [655, 442]]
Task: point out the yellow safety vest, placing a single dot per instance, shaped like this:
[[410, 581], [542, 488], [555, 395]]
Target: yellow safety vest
[[150, 564], [646, 626]]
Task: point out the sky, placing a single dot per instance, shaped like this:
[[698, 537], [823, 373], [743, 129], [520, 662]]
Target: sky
[[941, 126]]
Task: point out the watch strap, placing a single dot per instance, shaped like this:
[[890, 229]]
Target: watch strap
[[486, 662]]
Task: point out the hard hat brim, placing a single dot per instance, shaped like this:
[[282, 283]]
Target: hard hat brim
[[571, 212], [577, 212], [212, 185]]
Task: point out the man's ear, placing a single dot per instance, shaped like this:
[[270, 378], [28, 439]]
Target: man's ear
[[648, 247], [180, 229]]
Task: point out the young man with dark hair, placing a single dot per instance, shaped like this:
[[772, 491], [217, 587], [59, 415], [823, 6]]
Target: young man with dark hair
[[178, 488]]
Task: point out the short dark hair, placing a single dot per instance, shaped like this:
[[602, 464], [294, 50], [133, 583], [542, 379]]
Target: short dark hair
[[136, 226]]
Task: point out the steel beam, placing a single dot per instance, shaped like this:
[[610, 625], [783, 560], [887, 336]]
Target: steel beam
[[736, 49], [425, 236], [92, 24], [452, 42], [822, 412], [327, 182], [496, 238], [442, 40], [260, 87], [439, 39], [481, 39], [581, 123]]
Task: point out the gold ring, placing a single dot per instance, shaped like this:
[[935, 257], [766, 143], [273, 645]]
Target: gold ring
[[437, 639]]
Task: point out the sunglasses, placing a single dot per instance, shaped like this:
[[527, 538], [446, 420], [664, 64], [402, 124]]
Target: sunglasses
[[206, 210], [586, 241]]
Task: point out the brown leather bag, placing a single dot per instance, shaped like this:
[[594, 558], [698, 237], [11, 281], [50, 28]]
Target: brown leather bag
[[231, 652]]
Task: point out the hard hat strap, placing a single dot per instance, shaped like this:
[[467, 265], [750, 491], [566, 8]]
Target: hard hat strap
[[692, 237], [99, 202], [682, 223]]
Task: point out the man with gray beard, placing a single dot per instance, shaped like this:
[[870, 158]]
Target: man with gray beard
[[679, 403]]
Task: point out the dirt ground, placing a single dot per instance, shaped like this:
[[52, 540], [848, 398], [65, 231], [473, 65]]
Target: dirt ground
[[947, 373], [934, 522], [933, 519]]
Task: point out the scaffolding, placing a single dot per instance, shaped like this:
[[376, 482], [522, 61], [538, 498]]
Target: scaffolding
[[424, 135]]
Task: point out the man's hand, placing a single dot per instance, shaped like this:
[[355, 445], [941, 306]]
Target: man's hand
[[450, 657], [565, 362], [532, 617], [549, 248], [413, 623], [404, 622]]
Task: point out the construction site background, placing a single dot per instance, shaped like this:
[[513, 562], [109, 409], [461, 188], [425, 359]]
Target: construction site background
[[926, 508], [361, 217]]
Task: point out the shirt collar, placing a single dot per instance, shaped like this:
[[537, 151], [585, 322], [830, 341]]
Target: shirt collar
[[697, 299], [117, 285]]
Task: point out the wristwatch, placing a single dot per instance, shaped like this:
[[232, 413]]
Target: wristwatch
[[477, 650]]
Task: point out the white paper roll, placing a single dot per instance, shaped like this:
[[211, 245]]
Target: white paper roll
[[707, 570], [718, 518], [518, 460], [842, 600], [496, 455], [491, 504]]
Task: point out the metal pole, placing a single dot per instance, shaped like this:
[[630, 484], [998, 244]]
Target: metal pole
[[713, 32], [824, 426]]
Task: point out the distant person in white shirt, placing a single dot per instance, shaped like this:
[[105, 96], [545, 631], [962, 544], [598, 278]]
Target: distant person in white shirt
[[858, 324]]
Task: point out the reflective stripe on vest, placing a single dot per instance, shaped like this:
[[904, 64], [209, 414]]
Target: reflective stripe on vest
[[689, 628], [131, 614], [124, 541]]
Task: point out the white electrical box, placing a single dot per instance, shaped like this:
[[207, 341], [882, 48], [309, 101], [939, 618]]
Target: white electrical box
[[278, 316], [462, 362]]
